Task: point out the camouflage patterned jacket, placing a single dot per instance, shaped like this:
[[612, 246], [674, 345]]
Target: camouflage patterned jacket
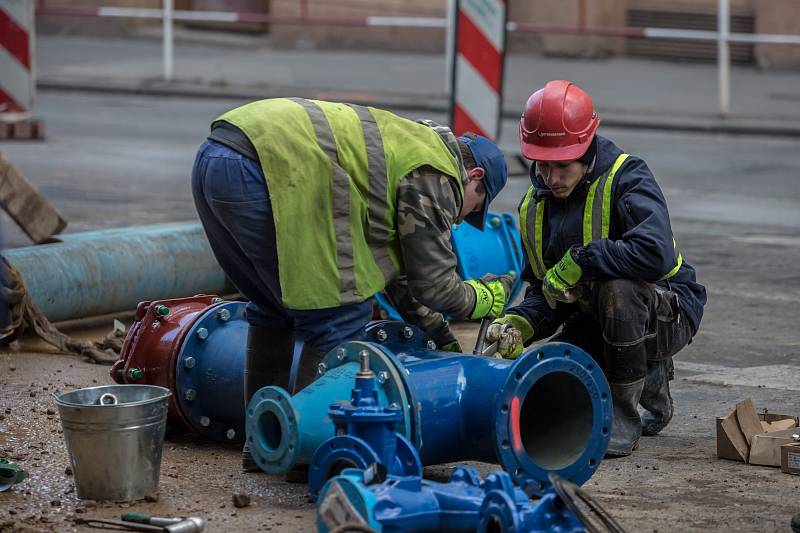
[[427, 206]]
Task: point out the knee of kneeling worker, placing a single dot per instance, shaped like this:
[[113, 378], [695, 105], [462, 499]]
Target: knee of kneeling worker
[[623, 299]]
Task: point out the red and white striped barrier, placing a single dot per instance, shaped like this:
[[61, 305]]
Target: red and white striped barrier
[[477, 83], [17, 80], [16, 57]]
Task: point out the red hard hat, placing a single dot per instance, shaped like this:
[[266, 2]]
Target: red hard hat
[[558, 124]]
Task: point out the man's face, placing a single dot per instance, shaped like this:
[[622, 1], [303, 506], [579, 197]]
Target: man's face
[[474, 193], [561, 176]]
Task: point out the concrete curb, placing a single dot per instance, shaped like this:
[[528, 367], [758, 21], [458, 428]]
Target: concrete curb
[[430, 103]]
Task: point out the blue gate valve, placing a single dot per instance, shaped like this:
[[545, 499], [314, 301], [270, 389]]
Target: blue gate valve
[[366, 433], [466, 503]]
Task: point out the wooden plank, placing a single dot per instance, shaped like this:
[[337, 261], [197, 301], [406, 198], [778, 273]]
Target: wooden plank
[[27, 207]]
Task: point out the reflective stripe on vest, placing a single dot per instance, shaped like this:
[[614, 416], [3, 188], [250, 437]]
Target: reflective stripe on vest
[[596, 220], [341, 195]]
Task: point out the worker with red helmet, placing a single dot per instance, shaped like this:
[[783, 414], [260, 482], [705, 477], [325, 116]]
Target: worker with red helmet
[[602, 263]]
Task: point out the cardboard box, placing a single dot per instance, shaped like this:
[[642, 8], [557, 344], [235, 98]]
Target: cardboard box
[[790, 458], [745, 435]]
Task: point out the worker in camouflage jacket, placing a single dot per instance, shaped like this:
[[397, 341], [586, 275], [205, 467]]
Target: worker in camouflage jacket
[[313, 207], [603, 267]]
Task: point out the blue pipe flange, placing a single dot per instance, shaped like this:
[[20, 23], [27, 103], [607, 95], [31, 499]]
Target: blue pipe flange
[[208, 373], [272, 434], [536, 438], [498, 513], [346, 451], [384, 365]]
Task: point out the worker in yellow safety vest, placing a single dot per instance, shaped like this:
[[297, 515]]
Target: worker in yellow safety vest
[[601, 262], [313, 207]]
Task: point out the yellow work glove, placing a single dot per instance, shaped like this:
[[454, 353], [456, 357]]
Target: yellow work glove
[[559, 283], [510, 340], [452, 347], [491, 295]]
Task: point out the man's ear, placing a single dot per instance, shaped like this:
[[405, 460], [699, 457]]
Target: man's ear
[[475, 173]]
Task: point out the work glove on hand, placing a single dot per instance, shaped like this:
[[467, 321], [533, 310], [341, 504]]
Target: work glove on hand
[[511, 340], [560, 282], [453, 346], [491, 295]]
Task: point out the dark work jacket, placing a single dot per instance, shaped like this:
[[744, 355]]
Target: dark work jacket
[[639, 245]]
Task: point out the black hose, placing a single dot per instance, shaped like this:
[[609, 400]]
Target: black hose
[[353, 528], [587, 509]]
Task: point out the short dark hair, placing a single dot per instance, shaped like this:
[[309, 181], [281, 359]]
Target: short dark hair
[[466, 153]]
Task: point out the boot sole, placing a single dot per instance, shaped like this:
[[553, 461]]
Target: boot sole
[[610, 454]]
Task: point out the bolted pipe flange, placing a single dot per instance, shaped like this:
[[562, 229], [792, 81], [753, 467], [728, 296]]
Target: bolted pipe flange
[[381, 335], [408, 332], [189, 362], [201, 333], [190, 394], [224, 315]]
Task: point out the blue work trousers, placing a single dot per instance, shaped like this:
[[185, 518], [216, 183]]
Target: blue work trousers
[[231, 197]]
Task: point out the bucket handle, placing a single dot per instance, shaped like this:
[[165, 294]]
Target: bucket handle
[[107, 399]]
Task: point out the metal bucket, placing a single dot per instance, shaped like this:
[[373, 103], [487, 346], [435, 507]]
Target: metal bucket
[[114, 436]]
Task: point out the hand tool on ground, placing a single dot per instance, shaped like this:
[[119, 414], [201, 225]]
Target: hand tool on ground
[[190, 524]]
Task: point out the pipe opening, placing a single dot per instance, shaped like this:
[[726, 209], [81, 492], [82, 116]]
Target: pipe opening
[[494, 525], [556, 420], [337, 467], [269, 427]]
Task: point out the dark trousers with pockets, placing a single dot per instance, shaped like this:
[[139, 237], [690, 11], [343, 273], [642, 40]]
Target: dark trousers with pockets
[[623, 312]]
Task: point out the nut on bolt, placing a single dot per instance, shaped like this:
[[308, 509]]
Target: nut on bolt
[[494, 222], [224, 314], [161, 310], [201, 333], [135, 374], [189, 362], [408, 332], [321, 368], [430, 345], [340, 353], [381, 335], [383, 377], [190, 394]]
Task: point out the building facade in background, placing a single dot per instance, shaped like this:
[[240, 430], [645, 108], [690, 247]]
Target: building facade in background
[[747, 16]]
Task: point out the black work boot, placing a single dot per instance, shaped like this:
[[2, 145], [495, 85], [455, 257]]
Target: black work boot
[[307, 368], [656, 398], [627, 426], [268, 361]]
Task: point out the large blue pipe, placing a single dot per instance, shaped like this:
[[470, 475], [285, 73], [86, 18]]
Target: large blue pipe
[[112, 270], [547, 411]]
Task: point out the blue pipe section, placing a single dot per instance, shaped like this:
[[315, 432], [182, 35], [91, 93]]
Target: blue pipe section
[[456, 407], [466, 503], [209, 368], [109, 271]]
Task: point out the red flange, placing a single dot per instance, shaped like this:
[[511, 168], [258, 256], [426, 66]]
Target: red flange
[[153, 342]]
